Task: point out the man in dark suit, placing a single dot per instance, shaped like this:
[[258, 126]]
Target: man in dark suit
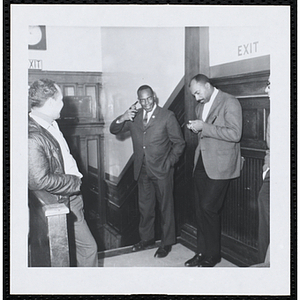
[[157, 145], [217, 160]]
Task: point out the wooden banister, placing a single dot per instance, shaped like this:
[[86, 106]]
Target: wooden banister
[[48, 235]]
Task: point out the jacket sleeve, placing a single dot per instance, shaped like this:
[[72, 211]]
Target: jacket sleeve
[[231, 130], [267, 157], [41, 176], [116, 128], [175, 136]]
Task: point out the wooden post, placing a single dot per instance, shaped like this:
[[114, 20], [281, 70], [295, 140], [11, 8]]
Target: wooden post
[[58, 234], [48, 237], [196, 61]]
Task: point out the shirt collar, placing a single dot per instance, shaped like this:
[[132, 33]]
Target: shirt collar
[[213, 95], [150, 112], [41, 119], [38, 114]]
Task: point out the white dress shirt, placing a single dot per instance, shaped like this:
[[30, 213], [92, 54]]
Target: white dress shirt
[[69, 162], [208, 105], [150, 113]]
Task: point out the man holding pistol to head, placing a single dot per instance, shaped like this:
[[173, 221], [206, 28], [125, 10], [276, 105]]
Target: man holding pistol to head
[[217, 160], [157, 145]]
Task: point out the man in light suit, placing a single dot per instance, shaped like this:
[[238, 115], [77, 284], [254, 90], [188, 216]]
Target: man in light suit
[[217, 161], [157, 145]]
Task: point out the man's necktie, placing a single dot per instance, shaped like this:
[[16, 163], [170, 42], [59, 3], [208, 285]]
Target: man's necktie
[[145, 119]]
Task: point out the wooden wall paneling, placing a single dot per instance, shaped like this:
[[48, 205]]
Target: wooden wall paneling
[[122, 208], [121, 192], [255, 114], [177, 107], [80, 137], [92, 149], [83, 106], [243, 67], [101, 183], [66, 77], [240, 213], [250, 84]]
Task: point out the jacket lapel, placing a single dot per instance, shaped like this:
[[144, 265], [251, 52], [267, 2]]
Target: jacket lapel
[[153, 117], [139, 118], [199, 111], [50, 137]]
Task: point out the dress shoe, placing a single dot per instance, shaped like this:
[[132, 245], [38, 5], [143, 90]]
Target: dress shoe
[[195, 261], [142, 245], [210, 261], [163, 251]]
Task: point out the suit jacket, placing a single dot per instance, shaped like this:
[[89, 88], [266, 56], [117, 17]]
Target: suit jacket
[[219, 140], [46, 165], [161, 141]]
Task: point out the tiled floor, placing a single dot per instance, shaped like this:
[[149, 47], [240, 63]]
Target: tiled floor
[[176, 258]]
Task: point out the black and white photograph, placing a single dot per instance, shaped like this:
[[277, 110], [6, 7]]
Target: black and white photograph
[[142, 143]]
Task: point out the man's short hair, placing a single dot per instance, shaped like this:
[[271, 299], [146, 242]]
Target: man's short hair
[[144, 87], [201, 78], [40, 91]]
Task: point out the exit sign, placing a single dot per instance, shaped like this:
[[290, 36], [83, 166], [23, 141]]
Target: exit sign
[[248, 48], [35, 64]]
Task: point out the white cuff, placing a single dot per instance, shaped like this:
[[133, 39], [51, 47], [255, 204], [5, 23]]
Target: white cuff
[[265, 173]]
